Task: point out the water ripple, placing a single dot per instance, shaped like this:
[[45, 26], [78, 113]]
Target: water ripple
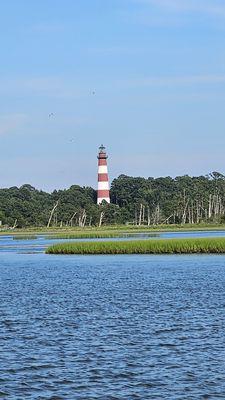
[[130, 327]]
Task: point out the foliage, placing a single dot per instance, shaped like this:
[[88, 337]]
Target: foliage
[[152, 246], [134, 200], [181, 200]]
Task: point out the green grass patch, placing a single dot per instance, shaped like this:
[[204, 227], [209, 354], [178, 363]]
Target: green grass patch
[[85, 235], [100, 235], [24, 237], [153, 246]]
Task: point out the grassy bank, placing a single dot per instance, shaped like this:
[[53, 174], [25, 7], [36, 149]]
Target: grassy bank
[[108, 231], [86, 235], [99, 235], [153, 246], [25, 237]]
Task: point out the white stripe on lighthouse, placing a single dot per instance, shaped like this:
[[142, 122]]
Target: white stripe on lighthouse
[[100, 199], [102, 169], [103, 185]]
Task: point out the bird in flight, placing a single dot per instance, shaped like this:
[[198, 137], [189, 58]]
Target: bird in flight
[[50, 115]]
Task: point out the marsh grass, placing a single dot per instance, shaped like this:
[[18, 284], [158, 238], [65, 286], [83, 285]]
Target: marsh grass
[[111, 229], [153, 246], [101, 235], [24, 237], [86, 235]]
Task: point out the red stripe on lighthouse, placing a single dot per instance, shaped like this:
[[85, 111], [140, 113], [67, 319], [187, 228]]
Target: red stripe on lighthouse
[[102, 161], [103, 193], [103, 179]]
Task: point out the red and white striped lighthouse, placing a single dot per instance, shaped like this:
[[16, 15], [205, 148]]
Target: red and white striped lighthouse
[[103, 178]]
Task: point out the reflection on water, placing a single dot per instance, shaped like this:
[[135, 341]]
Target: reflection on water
[[110, 327]]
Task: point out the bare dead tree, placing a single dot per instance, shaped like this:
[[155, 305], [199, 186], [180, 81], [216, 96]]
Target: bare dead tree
[[82, 219], [149, 216], [184, 216], [140, 214], [101, 219], [15, 224], [166, 221], [55, 219], [197, 212], [135, 217], [52, 213], [156, 215], [210, 207], [72, 218], [143, 214]]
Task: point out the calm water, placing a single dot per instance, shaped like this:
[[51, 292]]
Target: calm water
[[112, 327], [38, 245]]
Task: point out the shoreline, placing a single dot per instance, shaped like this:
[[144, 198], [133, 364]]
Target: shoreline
[[110, 231]]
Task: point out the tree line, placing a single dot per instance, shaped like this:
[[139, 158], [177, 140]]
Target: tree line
[[134, 200]]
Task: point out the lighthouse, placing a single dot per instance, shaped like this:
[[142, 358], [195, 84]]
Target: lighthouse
[[103, 179]]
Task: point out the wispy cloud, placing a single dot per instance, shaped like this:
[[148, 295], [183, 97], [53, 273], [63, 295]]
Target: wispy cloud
[[48, 27], [180, 80], [179, 13], [212, 7], [12, 123], [55, 87], [116, 50]]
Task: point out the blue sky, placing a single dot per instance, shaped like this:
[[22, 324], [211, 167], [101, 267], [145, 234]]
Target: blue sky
[[157, 71]]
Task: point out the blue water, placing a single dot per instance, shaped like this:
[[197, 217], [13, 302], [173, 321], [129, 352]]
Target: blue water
[[111, 327], [192, 234], [8, 243]]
